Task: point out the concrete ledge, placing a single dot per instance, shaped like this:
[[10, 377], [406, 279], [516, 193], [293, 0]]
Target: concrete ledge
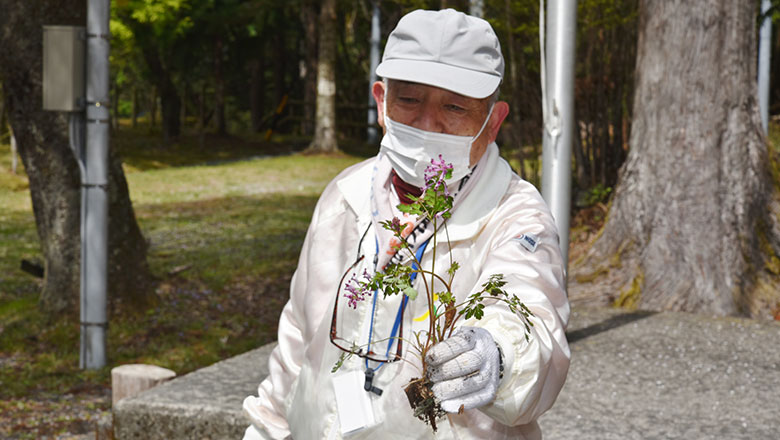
[[205, 404]]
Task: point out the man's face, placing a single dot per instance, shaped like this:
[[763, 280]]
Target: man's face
[[441, 111]]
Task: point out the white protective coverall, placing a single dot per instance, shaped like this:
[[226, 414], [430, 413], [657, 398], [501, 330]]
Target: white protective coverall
[[297, 399]]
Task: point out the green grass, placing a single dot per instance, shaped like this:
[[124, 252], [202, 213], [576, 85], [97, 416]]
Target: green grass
[[225, 220], [18, 237]]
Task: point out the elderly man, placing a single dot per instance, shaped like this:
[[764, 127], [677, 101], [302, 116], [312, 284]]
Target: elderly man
[[441, 73]]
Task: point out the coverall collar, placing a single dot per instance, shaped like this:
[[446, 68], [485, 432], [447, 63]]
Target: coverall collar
[[466, 220]]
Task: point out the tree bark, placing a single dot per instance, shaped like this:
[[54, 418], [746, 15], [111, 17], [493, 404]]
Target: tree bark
[[51, 167], [325, 121], [693, 224]]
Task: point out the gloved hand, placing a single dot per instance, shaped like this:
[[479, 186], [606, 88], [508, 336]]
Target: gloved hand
[[465, 369]]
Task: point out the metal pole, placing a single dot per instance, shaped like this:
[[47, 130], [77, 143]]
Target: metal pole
[[95, 255], [371, 133], [764, 58], [559, 118]]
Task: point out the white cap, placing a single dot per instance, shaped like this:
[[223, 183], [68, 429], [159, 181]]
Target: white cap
[[446, 49]]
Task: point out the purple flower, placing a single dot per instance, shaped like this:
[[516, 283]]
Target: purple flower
[[358, 290], [396, 223], [435, 173]]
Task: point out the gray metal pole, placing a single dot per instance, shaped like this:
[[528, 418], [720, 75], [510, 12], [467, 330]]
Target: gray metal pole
[[559, 106], [95, 255], [764, 62], [371, 133]]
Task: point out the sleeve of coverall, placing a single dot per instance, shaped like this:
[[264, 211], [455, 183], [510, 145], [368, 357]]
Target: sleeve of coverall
[[534, 371], [266, 411]]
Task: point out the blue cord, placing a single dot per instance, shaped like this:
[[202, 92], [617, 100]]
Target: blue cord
[[401, 308]]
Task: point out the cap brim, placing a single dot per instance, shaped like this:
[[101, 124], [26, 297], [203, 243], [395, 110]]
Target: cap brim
[[460, 80]]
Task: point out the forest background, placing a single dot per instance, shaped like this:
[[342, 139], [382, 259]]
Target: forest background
[[208, 100]]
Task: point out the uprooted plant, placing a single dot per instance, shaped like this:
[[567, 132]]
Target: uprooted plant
[[434, 205]]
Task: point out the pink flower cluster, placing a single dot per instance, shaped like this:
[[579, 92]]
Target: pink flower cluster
[[434, 175], [358, 290]]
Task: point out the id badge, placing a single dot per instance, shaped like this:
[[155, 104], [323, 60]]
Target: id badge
[[354, 405]]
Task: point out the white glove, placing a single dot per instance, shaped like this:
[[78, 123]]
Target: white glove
[[465, 369]]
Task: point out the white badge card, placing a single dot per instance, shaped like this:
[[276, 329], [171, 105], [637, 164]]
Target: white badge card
[[353, 402]]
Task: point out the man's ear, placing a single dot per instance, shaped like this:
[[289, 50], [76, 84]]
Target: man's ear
[[378, 91], [500, 112]]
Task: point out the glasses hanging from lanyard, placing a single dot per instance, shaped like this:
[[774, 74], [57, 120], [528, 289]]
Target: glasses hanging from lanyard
[[390, 354]]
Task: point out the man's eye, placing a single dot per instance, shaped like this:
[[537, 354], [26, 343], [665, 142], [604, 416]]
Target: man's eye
[[408, 100], [455, 108]]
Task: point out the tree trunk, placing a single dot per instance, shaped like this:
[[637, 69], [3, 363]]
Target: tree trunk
[[184, 97], [115, 107], [169, 96], [14, 152], [325, 122], [171, 109], [202, 112], [256, 93], [3, 119], [693, 224], [280, 58], [52, 170], [153, 110], [309, 17], [219, 88], [135, 106]]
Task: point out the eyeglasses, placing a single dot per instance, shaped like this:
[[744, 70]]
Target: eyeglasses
[[367, 352]]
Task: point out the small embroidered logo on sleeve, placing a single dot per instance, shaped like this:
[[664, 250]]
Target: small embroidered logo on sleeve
[[528, 241]]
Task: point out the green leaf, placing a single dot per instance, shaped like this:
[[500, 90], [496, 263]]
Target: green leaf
[[446, 297]]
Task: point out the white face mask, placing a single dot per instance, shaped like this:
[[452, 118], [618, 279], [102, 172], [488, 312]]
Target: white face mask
[[411, 149]]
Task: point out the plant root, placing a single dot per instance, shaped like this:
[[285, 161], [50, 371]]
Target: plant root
[[423, 402]]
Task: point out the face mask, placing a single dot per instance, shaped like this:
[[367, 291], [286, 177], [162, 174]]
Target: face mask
[[410, 150]]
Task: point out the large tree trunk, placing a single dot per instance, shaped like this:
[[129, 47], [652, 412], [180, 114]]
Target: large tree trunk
[[52, 170], [325, 122], [691, 225]]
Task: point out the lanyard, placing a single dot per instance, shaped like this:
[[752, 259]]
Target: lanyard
[[399, 315]]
